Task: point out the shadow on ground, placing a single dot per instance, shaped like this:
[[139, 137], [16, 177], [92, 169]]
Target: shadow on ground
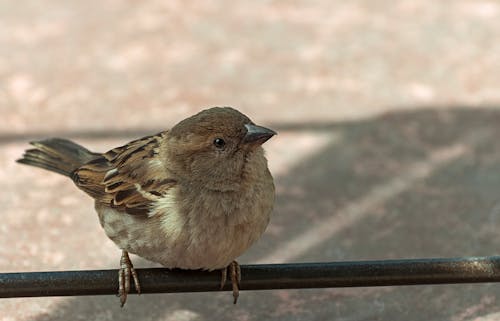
[[411, 184]]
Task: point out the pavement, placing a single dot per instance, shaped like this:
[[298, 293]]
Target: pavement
[[388, 115]]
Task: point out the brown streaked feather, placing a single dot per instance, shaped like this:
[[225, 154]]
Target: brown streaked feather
[[126, 177]]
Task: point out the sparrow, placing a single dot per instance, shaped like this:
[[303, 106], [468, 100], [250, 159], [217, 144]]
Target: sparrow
[[196, 196]]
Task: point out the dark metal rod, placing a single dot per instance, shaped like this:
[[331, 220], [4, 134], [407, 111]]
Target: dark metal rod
[[260, 277]]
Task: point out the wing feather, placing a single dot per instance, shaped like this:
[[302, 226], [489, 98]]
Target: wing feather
[[128, 177]]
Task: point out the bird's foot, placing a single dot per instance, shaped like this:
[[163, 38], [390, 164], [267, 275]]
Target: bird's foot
[[126, 269], [235, 275]]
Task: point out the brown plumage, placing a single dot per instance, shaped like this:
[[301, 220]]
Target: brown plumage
[[194, 197]]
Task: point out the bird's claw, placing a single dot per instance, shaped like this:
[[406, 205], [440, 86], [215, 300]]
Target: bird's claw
[[235, 275], [126, 270]]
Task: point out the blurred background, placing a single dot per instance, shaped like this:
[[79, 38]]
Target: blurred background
[[388, 119]]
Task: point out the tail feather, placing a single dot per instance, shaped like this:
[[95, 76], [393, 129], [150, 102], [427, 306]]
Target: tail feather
[[58, 155]]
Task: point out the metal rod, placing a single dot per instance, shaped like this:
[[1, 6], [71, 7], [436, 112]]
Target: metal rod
[[260, 277]]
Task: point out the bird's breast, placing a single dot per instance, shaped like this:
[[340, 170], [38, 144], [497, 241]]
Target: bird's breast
[[193, 229]]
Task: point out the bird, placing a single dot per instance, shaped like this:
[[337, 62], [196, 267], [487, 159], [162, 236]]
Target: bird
[[194, 197]]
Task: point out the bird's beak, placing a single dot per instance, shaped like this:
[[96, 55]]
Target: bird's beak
[[257, 134]]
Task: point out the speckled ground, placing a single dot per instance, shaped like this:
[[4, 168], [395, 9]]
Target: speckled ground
[[388, 114]]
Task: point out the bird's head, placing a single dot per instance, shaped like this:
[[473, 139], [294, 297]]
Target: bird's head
[[219, 148]]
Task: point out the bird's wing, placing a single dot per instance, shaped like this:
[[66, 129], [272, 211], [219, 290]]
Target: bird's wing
[[129, 178]]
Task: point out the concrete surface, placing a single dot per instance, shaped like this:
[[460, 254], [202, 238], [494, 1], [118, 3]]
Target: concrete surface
[[388, 114]]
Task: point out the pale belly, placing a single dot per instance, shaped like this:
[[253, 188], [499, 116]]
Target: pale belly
[[195, 240]]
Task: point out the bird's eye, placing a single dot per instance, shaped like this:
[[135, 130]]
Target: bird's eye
[[219, 143]]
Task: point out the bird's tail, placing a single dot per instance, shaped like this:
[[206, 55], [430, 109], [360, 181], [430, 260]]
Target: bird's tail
[[58, 155]]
